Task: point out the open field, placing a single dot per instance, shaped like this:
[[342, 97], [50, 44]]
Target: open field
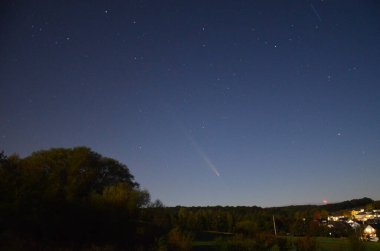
[[337, 244], [323, 244]]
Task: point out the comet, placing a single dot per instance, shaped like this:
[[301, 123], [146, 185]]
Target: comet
[[203, 155], [316, 12]]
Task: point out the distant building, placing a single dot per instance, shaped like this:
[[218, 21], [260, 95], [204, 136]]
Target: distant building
[[338, 228], [370, 232], [354, 224], [337, 218], [364, 216], [355, 212]]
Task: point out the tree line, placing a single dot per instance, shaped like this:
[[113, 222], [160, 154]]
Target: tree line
[[75, 198]]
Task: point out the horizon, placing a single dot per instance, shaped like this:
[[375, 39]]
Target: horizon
[[230, 103], [277, 206], [304, 203]]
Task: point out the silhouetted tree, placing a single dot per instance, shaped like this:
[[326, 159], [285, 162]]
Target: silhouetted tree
[[71, 195]]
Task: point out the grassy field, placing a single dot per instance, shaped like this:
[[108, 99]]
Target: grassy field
[[341, 244], [324, 244]]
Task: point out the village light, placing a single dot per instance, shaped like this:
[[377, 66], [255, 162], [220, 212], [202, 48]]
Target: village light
[[369, 231]]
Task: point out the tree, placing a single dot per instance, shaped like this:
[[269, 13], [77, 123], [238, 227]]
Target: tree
[[246, 227], [76, 172], [70, 195], [179, 241], [3, 158]]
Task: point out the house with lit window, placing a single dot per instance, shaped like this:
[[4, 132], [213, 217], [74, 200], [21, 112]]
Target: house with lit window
[[371, 232], [369, 215], [355, 212]]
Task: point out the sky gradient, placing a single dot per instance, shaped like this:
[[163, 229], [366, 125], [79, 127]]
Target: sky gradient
[[262, 103]]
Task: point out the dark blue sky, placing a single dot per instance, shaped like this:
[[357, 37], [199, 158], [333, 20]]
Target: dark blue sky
[[208, 102]]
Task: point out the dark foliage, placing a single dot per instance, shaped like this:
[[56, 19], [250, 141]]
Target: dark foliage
[[69, 198], [76, 198], [349, 204]]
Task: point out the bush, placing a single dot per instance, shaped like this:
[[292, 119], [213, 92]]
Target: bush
[[283, 244], [356, 244], [306, 244], [179, 241]]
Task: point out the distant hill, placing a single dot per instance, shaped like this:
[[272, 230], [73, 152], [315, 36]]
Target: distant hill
[[333, 207], [348, 204]]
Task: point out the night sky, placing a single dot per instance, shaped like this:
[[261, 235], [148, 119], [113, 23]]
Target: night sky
[[262, 103]]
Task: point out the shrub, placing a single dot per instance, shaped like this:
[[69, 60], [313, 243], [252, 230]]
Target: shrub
[[356, 244], [306, 244], [179, 241]]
